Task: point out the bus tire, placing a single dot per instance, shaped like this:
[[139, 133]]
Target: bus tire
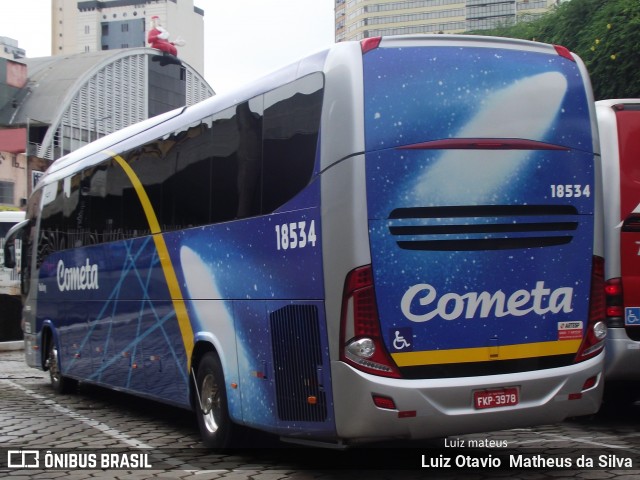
[[59, 382], [212, 412]]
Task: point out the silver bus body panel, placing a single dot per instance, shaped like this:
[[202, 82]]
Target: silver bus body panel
[[345, 231], [445, 406]]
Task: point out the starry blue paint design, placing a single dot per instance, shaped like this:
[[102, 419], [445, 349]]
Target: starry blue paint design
[[124, 333], [232, 275], [416, 95], [235, 275]]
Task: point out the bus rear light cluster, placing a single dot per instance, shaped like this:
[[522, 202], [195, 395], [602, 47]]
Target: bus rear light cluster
[[360, 337], [615, 304], [593, 342]]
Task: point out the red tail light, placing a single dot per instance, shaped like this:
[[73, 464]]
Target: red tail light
[[564, 52], [369, 44], [361, 344], [615, 304], [596, 333]]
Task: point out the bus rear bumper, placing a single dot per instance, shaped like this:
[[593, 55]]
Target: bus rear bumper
[[434, 408]]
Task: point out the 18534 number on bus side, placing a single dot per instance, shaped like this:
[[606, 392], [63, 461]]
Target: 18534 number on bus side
[[294, 235], [569, 191]]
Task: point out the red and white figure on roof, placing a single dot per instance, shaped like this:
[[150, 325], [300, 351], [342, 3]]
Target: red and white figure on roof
[[159, 38]]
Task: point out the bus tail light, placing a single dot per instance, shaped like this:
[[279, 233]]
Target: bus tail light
[[593, 341], [369, 44], [361, 344], [615, 304], [564, 52]]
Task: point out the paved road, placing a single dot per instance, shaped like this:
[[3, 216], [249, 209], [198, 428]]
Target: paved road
[[84, 426]]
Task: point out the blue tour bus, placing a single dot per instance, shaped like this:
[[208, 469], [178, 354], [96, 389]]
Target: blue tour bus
[[393, 238]]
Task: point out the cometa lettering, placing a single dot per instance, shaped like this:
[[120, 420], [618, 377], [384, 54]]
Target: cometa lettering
[[77, 278], [421, 303]]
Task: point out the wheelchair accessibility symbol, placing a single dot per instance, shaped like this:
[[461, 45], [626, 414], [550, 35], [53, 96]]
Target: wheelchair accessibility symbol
[[632, 316], [401, 339]]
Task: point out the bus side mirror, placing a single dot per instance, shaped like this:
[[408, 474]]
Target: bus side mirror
[[10, 243]]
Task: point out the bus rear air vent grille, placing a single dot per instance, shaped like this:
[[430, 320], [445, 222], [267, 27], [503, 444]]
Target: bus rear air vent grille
[[483, 227]]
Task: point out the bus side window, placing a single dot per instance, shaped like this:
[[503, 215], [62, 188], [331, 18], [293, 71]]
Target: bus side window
[[76, 209], [186, 191], [224, 169], [104, 219], [249, 156], [291, 126], [148, 163], [236, 162], [53, 228]]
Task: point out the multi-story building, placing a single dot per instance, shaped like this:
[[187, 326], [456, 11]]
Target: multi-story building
[[95, 25], [358, 19]]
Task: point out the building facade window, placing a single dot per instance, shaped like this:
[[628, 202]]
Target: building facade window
[[397, 17], [6, 192]]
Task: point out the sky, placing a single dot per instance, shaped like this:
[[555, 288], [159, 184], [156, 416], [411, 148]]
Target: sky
[[244, 39]]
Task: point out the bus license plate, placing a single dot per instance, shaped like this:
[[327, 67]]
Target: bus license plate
[[504, 397]]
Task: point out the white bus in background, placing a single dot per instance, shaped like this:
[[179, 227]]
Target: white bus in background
[[9, 277], [398, 238], [619, 129]]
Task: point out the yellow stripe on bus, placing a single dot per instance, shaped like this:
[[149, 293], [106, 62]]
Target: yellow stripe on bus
[[484, 354], [163, 253]]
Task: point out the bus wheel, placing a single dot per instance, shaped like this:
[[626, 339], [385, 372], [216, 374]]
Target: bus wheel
[[59, 383], [211, 403]]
